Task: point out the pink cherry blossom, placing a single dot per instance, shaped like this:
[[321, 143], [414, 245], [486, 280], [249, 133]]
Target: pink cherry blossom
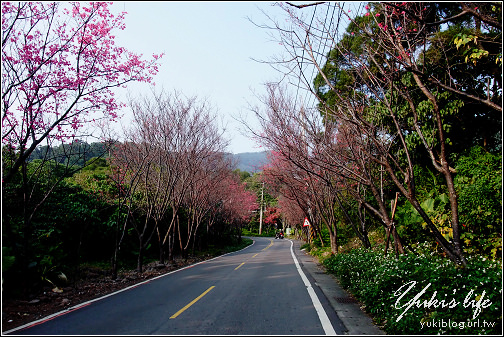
[[59, 68]]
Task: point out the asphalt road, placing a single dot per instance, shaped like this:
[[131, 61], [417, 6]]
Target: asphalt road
[[260, 290]]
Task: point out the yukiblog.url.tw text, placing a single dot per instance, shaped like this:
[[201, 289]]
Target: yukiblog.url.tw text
[[441, 323]]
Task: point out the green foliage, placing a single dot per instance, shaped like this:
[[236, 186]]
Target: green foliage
[[45, 173], [478, 183], [73, 154], [70, 228], [95, 163], [326, 240], [235, 245], [471, 53], [267, 231], [244, 175], [7, 259], [95, 179], [378, 281], [411, 225], [306, 246], [66, 229], [479, 186], [433, 197], [321, 253]]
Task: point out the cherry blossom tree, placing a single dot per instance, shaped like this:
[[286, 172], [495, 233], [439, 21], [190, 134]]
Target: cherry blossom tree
[[132, 162], [190, 136], [177, 145], [237, 203], [395, 73], [305, 163], [201, 197], [292, 213], [289, 182], [59, 67]]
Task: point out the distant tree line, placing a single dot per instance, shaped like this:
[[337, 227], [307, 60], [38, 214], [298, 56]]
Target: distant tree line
[[76, 153]]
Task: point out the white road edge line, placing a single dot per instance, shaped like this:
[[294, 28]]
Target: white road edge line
[[77, 306], [324, 319]]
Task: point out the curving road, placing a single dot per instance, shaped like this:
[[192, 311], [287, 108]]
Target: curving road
[[260, 290]]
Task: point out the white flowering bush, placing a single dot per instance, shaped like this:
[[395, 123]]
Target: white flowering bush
[[424, 294]]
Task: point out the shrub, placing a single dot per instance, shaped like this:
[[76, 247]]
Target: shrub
[[378, 281], [479, 185]]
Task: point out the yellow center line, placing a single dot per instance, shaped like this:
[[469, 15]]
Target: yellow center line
[[240, 265], [206, 291], [271, 244], [192, 302]]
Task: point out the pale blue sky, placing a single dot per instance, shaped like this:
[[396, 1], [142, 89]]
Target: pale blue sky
[[208, 48]]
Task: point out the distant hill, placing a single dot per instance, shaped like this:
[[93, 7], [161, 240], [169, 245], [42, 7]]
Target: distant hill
[[251, 162], [79, 152]]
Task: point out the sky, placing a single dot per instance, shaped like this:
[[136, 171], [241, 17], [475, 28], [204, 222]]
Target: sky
[[209, 50]]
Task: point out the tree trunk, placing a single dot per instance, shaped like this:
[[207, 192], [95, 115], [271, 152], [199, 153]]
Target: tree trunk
[[456, 247], [362, 218], [114, 263], [161, 253], [333, 236], [140, 256], [170, 247]]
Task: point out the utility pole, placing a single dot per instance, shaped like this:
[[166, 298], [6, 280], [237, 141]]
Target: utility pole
[[261, 208]]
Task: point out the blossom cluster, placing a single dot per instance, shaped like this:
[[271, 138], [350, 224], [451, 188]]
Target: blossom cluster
[[59, 68]]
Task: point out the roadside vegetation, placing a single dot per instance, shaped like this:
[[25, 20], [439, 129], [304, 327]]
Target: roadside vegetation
[[389, 143], [389, 147], [472, 295], [85, 220], [160, 187]]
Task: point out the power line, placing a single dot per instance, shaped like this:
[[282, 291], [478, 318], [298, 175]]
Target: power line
[[322, 55], [302, 55]]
